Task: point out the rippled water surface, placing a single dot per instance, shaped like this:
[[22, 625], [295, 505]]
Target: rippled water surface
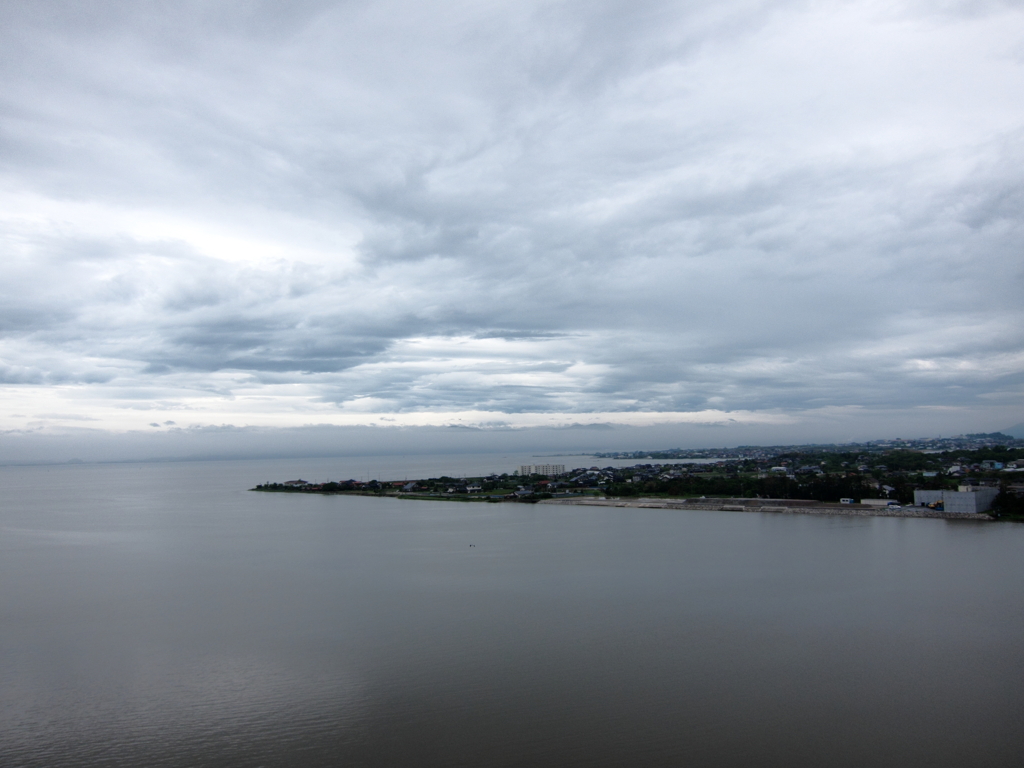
[[161, 615]]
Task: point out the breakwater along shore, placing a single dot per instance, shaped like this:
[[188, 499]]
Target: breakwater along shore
[[776, 506], [780, 506]]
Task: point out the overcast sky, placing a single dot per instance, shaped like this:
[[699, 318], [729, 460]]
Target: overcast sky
[[276, 214]]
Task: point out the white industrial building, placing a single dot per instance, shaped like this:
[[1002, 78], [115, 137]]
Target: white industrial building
[[969, 498]]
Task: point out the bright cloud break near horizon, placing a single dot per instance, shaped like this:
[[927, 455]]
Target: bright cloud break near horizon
[[695, 223]]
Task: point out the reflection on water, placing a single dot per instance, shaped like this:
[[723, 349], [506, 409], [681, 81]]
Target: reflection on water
[[162, 615]]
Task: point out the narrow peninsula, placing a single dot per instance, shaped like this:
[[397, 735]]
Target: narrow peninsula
[[977, 482]]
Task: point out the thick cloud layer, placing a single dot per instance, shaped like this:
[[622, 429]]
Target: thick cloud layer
[[523, 213]]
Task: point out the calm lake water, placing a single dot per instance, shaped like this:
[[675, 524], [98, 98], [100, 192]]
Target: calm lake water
[[161, 615]]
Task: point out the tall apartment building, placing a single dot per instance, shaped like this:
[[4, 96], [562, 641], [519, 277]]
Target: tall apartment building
[[542, 469]]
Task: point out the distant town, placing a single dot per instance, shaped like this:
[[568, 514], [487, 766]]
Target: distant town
[[980, 475], [970, 442]]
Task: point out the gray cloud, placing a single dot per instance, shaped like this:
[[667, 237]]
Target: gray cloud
[[533, 207]]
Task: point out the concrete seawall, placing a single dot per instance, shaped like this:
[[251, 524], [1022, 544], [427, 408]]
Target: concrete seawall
[[778, 506]]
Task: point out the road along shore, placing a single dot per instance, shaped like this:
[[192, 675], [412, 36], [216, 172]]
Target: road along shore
[[779, 506]]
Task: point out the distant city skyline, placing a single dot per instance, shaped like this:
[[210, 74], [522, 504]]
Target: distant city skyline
[[235, 228]]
